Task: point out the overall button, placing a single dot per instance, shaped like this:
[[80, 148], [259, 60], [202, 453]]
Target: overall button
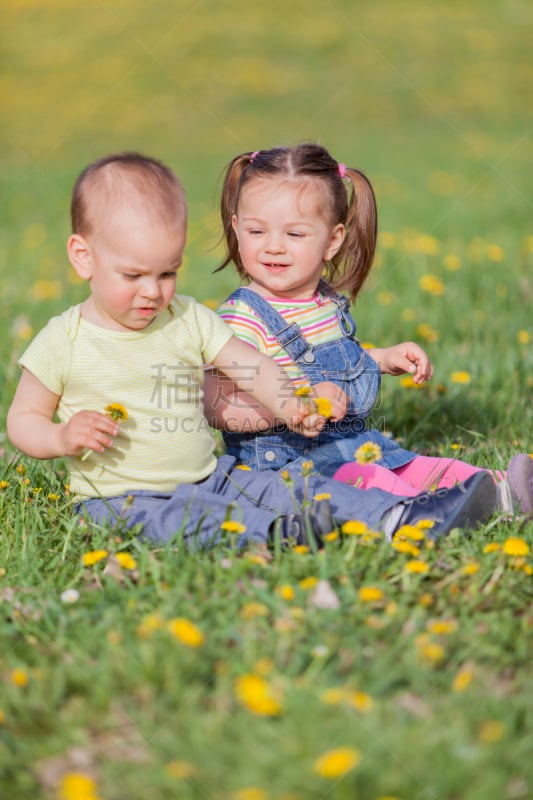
[[309, 357], [270, 455]]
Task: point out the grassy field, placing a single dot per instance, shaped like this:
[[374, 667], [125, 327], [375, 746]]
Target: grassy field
[[364, 672]]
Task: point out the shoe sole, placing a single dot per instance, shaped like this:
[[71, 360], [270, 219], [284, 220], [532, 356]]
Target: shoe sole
[[519, 477], [477, 507]]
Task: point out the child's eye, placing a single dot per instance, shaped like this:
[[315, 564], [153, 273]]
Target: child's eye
[[296, 234], [131, 277], [255, 231]]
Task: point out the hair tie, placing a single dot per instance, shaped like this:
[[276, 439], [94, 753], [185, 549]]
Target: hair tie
[[253, 156], [342, 169]]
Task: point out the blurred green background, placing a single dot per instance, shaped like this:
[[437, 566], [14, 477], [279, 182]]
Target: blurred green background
[[431, 100]]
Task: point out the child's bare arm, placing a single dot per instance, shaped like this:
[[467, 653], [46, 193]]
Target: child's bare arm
[[31, 427], [229, 408], [257, 374]]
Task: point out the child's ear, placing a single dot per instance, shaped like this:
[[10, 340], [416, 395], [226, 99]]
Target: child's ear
[[234, 223], [80, 256], [335, 241]]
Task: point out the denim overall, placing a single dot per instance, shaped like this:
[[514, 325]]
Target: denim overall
[[342, 361]]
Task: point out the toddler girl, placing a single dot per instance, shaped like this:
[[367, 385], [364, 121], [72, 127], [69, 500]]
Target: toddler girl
[[299, 237]]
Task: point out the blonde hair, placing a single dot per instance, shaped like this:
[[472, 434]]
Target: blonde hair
[[355, 209], [126, 177]]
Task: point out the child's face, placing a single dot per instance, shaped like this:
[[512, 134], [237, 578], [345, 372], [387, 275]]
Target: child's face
[[132, 262], [283, 237]]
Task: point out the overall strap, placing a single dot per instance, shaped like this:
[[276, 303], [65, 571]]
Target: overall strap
[[346, 321], [288, 335]]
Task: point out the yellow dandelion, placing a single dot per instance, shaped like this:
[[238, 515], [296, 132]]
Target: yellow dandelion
[[250, 793], [322, 496], [4, 484], [286, 592], [492, 547], [303, 391], [330, 537], [116, 411], [186, 632], [360, 701], [333, 696], [426, 599], [427, 332], [286, 476], [324, 407], [471, 568], [308, 583], [424, 525], [515, 546], [417, 566], [451, 262], [442, 627], [77, 786], [492, 730], [307, 468], [401, 546], [407, 382], [149, 624], [53, 497], [432, 285], [495, 252], [431, 651], [300, 549], [2, 717], [256, 558], [370, 594], [21, 469], [336, 763], [256, 694], [232, 526], [460, 376], [126, 561], [354, 527], [19, 677], [263, 666], [385, 298], [93, 557], [244, 467], [462, 679], [368, 453], [181, 770], [523, 337], [252, 610]]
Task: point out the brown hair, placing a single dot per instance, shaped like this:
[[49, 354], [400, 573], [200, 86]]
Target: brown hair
[[356, 210], [123, 177]]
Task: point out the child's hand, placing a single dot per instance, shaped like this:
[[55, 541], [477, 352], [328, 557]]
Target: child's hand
[[333, 393], [88, 430], [405, 357]]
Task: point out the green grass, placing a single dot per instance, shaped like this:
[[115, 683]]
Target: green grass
[[433, 102]]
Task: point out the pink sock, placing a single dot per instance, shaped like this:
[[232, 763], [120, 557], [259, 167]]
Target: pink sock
[[422, 474], [428, 472], [374, 476]]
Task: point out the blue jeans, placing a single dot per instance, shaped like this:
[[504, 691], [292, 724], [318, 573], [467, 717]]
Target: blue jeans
[[196, 511]]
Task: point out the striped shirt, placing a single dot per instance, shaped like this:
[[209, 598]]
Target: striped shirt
[[316, 317]]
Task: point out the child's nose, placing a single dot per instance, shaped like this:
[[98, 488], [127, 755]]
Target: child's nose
[[151, 288], [275, 244]]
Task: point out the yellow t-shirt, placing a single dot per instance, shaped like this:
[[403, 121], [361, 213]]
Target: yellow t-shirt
[[156, 374]]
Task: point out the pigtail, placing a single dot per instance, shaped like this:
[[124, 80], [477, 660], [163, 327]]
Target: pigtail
[[228, 205], [351, 265]]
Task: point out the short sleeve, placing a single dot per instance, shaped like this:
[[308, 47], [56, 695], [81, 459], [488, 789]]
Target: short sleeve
[[49, 355], [211, 332], [244, 323]]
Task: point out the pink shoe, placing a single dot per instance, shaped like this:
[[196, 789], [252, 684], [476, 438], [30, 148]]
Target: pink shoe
[[520, 481]]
